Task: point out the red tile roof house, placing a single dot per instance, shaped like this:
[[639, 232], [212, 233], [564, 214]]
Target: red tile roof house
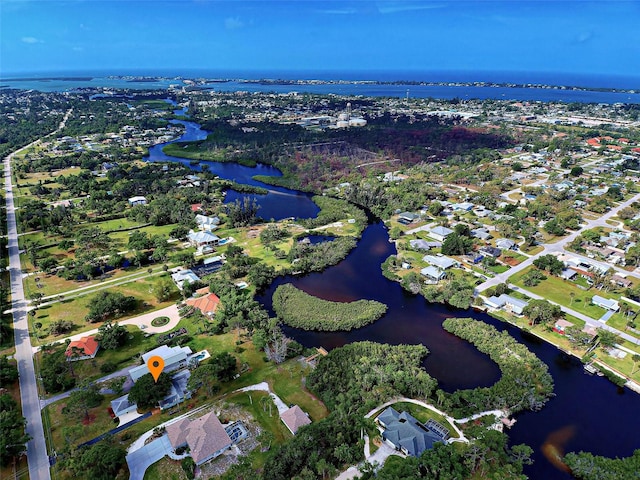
[[294, 418], [83, 349], [207, 303], [205, 436]]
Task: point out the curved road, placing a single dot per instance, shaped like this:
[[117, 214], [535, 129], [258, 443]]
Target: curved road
[[36, 447]]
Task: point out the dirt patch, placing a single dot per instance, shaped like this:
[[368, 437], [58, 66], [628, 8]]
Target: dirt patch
[[511, 261], [88, 420]]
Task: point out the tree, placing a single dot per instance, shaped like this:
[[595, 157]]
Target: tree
[[87, 396], [107, 304], [607, 339], [576, 171], [112, 336], [549, 263], [541, 311], [12, 430], [101, 461], [8, 371], [164, 289], [636, 360], [147, 393], [456, 244], [435, 208]]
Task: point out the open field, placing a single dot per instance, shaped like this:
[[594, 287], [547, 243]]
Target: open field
[[565, 293]]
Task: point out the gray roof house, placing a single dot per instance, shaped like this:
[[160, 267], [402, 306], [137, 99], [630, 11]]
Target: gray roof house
[[481, 233], [408, 217], [294, 418], [517, 306], [419, 244], [441, 262], [440, 233], [122, 405], [607, 303], [174, 359], [407, 434], [433, 273], [505, 244]]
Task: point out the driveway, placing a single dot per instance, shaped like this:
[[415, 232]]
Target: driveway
[[141, 459]]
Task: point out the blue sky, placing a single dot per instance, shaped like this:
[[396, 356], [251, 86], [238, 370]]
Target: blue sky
[[534, 36]]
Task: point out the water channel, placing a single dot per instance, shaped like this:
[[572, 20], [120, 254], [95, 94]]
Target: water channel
[[588, 413]]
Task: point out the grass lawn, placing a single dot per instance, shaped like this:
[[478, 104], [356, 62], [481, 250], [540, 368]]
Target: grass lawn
[[75, 309], [77, 429], [424, 414], [515, 255], [532, 250], [560, 291], [165, 469], [623, 365], [619, 321], [499, 268]]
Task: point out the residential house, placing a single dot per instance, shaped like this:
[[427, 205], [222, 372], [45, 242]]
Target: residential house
[[178, 392], [433, 273], [440, 233], [568, 273], [441, 262], [174, 358], [407, 217], [621, 281], [419, 244], [139, 200], [121, 406], [294, 418], [205, 436], [506, 244], [207, 303], [182, 276], [203, 239], [481, 233], [490, 251], [606, 303], [514, 304], [561, 326], [83, 349], [206, 223], [405, 433], [464, 206]]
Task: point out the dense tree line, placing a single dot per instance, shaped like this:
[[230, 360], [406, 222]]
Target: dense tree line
[[56, 372], [525, 383], [586, 466], [361, 375], [315, 258], [457, 293], [301, 310], [489, 456], [104, 460], [13, 436]]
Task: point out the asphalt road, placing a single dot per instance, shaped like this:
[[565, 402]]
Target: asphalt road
[[36, 447], [37, 457]]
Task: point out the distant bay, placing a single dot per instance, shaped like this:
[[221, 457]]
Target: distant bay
[[444, 90]]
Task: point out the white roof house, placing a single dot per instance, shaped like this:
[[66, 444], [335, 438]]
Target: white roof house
[[505, 243], [607, 303], [440, 233], [433, 273], [207, 223], [139, 200], [517, 305], [441, 262], [199, 239], [174, 358], [184, 276]]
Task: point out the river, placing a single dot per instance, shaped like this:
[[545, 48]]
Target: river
[[588, 413]]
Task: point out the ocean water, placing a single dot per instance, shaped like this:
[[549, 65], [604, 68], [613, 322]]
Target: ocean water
[[60, 81]]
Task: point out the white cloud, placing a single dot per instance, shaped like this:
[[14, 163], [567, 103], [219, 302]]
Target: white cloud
[[31, 40], [233, 23], [395, 7]]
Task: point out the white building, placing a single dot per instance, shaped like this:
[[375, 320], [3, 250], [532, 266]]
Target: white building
[[133, 201], [174, 359]]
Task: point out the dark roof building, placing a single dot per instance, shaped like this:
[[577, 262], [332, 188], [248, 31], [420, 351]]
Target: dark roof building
[[406, 433]]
